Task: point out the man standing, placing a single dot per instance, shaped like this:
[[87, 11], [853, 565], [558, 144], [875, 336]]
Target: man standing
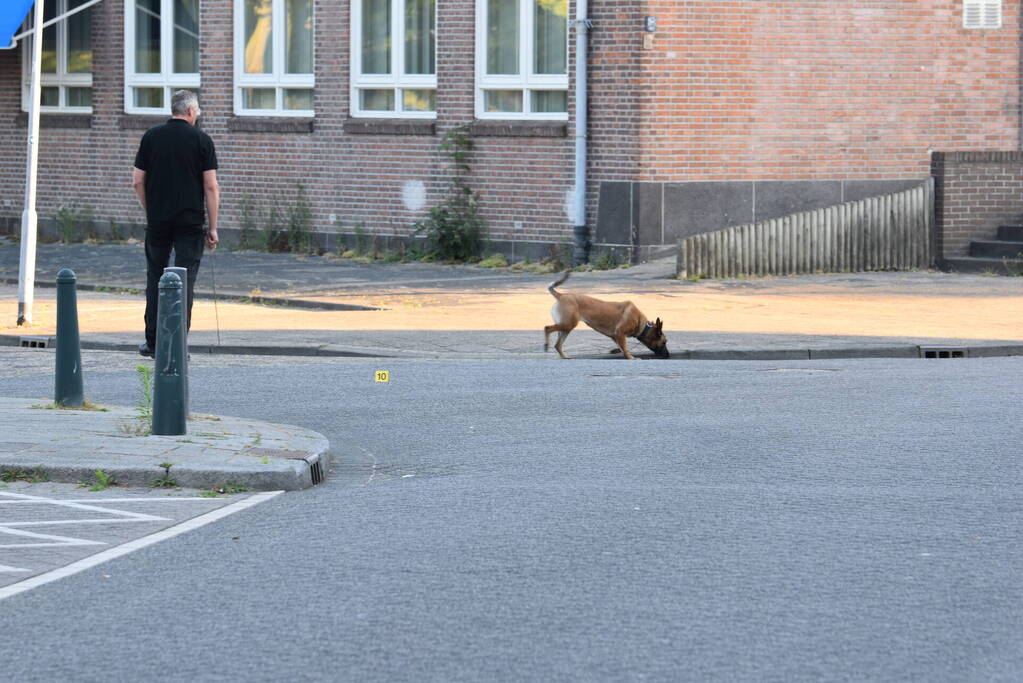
[[175, 170]]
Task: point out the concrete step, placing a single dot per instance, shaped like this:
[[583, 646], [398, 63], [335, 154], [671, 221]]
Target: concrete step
[[996, 249], [1010, 233], [995, 266]]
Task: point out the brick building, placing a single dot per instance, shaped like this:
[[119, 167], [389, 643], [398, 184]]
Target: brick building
[[701, 114]]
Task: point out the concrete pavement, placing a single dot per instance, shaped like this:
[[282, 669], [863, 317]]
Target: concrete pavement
[[62, 445]]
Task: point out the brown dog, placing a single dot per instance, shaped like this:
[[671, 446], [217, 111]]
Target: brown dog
[[617, 320]]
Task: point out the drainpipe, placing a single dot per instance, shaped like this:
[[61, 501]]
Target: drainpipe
[[580, 232]]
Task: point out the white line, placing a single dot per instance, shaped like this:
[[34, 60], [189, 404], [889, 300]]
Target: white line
[[79, 506], [4, 569], [58, 522], [63, 540], [104, 501], [137, 544]]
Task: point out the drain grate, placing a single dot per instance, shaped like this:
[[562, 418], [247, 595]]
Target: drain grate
[[943, 352], [316, 470], [37, 342]]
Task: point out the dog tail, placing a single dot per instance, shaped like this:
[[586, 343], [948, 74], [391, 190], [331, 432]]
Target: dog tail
[[551, 286]]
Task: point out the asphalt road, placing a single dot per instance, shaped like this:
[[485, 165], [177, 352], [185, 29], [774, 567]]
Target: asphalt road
[[585, 520]]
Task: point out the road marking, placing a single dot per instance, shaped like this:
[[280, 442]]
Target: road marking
[[137, 544], [12, 570], [54, 540], [103, 501]]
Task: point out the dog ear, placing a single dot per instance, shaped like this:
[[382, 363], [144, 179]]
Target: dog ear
[[658, 325]]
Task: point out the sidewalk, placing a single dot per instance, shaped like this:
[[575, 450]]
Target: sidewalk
[[341, 308], [70, 445]]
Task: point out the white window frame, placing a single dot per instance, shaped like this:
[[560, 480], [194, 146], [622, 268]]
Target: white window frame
[[525, 80], [982, 14], [278, 80], [166, 79], [61, 79], [398, 80]]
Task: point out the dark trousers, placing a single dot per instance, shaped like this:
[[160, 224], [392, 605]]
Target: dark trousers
[[187, 243]]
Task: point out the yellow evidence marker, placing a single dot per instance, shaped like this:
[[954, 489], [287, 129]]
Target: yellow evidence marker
[[383, 376]]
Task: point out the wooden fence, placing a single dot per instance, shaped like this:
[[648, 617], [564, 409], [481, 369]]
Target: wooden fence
[[889, 232]]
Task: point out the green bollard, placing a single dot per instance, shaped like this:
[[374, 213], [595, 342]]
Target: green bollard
[[170, 391], [67, 385]]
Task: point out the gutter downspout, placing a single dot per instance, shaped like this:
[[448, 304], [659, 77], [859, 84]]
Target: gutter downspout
[[29, 218], [580, 253]]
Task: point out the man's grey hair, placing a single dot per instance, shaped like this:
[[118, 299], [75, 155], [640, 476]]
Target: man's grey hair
[[182, 101]]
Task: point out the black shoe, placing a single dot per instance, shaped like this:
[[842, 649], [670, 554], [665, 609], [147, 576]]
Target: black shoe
[[145, 350]]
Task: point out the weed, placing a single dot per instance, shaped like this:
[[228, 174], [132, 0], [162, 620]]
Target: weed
[[68, 216], [606, 261], [454, 228], [232, 487], [144, 406], [33, 476], [134, 427], [494, 261], [300, 219], [86, 405], [103, 481], [250, 236], [208, 494], [361, 239], [165, 481], [115, 231]]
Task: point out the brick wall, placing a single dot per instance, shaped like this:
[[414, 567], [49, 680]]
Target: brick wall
[[975, 192], [798, 99], [822, 89]]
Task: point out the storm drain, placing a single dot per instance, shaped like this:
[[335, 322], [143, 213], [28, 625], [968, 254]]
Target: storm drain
[[315, 467], [37, 342], [943, 352]]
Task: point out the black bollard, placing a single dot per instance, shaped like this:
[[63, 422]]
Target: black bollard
[[183, 274], [170, 389], [67, 385]]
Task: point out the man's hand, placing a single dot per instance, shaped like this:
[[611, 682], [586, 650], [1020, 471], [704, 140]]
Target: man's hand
[[212, 240]]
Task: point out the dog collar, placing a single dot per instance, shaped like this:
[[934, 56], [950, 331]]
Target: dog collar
[[649, 326]]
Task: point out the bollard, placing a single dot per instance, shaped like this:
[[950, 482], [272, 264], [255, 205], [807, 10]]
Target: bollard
[[67, 385], [170, 388], [183, 274]]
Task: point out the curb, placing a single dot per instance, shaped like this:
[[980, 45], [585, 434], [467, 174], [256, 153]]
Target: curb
[[294, 458]]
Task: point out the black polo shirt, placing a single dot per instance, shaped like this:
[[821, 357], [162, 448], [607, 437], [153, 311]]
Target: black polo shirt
[[174, 156]]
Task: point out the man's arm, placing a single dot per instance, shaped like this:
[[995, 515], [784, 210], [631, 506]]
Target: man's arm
[[211, 188], [138, 182]]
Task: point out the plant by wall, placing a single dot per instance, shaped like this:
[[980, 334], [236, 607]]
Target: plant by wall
[[454, 229]]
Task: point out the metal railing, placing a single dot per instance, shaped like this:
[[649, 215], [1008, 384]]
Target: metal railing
[[889, 232]]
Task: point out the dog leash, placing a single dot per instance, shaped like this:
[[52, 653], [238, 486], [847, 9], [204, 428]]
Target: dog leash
[[213, 275]]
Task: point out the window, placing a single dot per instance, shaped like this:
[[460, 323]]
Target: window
[[394, 58], [66, 63], [161, 53], [522, 59], [273, 57], [982, 13]]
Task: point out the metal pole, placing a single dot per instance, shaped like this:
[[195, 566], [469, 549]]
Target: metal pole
[[67, 382], [29, 219], [579, 231], [170, 389]]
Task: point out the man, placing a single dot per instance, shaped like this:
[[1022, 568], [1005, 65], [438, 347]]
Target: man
[[175, 170]]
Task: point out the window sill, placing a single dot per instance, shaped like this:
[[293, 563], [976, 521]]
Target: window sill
[[140, 121], [484, 128], [261, 124], [47, 120], [390, 127]]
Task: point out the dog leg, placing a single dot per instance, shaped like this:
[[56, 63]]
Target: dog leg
[[623, 345], [562, 336], [547, 336]]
